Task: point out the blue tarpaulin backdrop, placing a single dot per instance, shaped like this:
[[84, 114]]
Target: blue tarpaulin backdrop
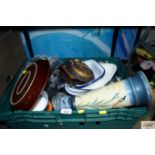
[[125, 42], [81, 42]]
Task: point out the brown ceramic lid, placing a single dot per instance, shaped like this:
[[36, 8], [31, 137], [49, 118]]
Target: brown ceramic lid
[[80, 70], [75, 69], [30, 84]]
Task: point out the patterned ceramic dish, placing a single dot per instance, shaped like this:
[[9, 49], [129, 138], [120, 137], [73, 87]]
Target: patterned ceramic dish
[[30, 84]]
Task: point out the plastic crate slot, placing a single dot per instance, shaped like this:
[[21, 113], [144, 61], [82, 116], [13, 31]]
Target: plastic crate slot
[[98, 123], [81, 123]]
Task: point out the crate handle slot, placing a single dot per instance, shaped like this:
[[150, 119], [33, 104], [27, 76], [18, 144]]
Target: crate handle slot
[[81, 123]]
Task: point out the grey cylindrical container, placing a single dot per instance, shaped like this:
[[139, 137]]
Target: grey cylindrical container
[[141, 91], [133, 91]]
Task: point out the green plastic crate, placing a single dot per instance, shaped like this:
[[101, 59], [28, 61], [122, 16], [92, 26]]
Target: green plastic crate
[[122, 118]]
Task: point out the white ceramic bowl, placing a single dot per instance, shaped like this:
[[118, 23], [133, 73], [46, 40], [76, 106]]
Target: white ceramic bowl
[[74, 91], [41, 103]]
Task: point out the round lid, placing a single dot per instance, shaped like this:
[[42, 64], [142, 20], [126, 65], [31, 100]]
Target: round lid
[[81, 69], [77, 70]]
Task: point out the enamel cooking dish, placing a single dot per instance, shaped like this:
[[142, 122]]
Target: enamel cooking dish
[[30, 84], [109, 71], [103, 73]]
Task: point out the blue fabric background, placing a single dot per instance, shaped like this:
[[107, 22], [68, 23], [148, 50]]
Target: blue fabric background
[[81, 42]]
